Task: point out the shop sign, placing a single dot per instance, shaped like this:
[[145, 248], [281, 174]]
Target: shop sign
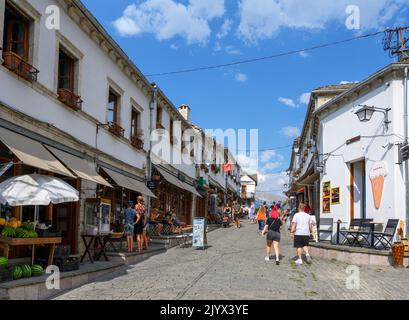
[[199, 233], [326, 197], [151, 185]]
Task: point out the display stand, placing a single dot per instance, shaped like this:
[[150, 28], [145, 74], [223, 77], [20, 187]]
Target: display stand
[[199, 233]]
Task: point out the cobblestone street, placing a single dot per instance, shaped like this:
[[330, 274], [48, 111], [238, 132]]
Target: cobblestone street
[[233, 267]]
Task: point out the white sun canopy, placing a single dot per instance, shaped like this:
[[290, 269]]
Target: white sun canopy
[[80, 166], [129, 183], [32, 153]]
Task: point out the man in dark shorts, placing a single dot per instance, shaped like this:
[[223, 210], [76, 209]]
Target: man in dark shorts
[[301, 229]]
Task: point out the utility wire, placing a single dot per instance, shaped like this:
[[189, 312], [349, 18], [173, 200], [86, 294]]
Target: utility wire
[[288, 53]]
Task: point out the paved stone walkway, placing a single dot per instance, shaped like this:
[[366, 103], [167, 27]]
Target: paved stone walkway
[[233, 267]]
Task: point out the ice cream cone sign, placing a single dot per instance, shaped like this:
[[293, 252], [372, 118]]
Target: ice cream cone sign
[[377, 175]]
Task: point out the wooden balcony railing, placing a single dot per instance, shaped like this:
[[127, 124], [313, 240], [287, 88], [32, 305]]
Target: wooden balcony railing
[[70, 99], [23, 69], [137, 143], [116, 129]]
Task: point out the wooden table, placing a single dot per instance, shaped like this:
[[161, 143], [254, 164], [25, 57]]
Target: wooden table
[[6, 243], [97, 240]]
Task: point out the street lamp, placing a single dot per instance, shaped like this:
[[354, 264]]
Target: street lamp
[[365, 114]]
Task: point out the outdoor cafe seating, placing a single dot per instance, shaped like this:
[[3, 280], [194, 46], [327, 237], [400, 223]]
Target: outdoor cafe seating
[[361, 233]]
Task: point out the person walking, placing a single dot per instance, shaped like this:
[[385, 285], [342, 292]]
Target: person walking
[[139, 224], [130, 215], [237, 211], [252, 216], [301, 229], [261, 217], [274, 210], [272, 228]]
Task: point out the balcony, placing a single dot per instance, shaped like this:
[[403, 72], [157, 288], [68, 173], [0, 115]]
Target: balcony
[[137, 143], [116, 129], [23, 69], [70, 99]]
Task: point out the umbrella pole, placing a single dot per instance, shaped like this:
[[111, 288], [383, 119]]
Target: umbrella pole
[[36, 209]]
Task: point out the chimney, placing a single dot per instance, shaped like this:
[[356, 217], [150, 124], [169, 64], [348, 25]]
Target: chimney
[[184, 110]]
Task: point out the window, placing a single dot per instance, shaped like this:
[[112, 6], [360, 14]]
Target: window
[[172, 139], [135, 124], [66, 71], [113, 102], [113, 114], [66, 81], [16, 44], [16, 33], [159, 118]]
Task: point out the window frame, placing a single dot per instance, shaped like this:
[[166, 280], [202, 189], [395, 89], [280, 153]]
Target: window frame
[[71, 78]]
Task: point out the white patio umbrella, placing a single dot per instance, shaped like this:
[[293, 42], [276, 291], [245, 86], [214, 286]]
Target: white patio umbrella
[[36, 190]]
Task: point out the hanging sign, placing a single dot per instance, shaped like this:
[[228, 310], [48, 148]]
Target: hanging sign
[[378, 174], [199, 233], [335, 196]]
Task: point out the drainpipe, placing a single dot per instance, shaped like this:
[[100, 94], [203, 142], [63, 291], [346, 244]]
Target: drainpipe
[[405, 102], [152, 106]]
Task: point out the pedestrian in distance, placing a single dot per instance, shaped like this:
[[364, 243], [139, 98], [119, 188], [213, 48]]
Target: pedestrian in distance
[[252, 213], [301, 230], [139, 224], [130, 215], [237, 211], [272, 228], [262, 217], [227, 214]]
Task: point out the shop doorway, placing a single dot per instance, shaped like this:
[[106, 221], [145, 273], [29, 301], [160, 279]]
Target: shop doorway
[[357, 190]]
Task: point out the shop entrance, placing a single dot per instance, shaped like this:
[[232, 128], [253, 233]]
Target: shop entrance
[[357, 189]]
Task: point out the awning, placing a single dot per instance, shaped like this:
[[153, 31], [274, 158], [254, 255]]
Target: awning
[[215, 183], [176, 182], [309, 180], [170, 178], [191, 189], [80, 167], [32, 153], [129, 183]]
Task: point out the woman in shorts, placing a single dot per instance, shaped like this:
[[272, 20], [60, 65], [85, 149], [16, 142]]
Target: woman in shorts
[[140, 214], [272, 228]]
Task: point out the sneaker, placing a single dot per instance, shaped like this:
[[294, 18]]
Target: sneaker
[[308, 259], [298, 262], [277, 262], [267, 258]]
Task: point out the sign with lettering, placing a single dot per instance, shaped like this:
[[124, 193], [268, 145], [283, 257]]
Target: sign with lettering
[[199, 233], [151, 185]]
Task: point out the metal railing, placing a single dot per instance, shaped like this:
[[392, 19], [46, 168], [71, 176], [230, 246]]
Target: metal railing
[[23, 69]]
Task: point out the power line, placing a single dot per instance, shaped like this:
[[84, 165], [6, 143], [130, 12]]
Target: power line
[[288, 53]]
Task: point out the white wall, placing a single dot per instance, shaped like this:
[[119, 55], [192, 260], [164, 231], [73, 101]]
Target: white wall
[[342, 125], [96, 67]]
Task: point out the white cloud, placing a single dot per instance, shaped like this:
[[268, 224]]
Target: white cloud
[[291, 132], [304, 54], [270, 155], [288, 102], [305, 98], [232, 50], [225, 29], [273, 182], [167, 19], [248, 164], [174, 46], [263, 19], [240, 77]]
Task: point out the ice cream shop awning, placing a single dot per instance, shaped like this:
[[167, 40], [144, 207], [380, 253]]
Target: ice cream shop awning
[[32, 153]]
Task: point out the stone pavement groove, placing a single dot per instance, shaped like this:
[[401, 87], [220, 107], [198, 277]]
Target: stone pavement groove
[[233, 267]]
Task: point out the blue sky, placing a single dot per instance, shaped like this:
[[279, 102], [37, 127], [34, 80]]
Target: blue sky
[[167, 35]]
